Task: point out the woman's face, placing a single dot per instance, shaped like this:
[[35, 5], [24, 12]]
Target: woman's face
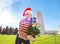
[[28, 15]]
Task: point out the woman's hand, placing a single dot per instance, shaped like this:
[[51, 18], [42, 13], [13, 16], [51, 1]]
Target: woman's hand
[[34, 24], [31, 38]]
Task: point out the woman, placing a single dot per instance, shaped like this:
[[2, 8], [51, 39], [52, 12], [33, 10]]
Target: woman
[[23, 27]]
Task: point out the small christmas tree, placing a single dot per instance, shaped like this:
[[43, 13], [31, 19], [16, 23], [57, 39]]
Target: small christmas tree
[[33, 30]]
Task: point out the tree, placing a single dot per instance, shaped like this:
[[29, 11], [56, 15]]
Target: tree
[[6, 30], [0, 29], [16, 30], [11, 30], [3, 31]]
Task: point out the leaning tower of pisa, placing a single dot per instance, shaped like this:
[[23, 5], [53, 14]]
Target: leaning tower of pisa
[[40, 22]]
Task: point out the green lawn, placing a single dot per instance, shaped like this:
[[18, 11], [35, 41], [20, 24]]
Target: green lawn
[[43, 39]]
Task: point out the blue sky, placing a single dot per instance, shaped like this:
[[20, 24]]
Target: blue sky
[[11, 12]]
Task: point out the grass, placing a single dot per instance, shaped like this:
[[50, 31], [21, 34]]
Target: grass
[[43, 39]]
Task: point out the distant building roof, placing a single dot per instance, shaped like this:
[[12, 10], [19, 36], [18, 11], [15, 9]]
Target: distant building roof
[[51, 32]]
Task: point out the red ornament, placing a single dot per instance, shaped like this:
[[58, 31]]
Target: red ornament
[[34, 30]]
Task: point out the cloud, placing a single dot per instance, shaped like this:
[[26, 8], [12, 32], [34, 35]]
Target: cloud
[[6, 3], [6, 16]]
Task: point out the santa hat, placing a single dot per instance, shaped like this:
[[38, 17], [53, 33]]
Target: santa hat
[[27, 10]]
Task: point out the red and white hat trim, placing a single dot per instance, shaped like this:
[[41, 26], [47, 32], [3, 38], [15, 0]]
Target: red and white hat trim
[[28, 11]]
